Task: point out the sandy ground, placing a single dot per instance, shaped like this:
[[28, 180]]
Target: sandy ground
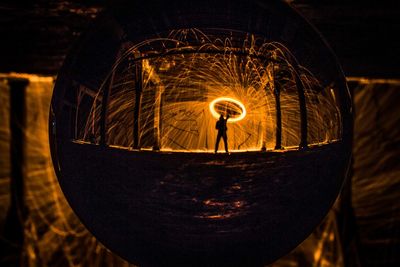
[[183, 208]]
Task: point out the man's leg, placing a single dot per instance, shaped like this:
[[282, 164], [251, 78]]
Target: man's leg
[[226, 143], [217, 142]]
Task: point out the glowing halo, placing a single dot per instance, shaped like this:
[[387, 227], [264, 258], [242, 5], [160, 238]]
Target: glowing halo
[[228, 99]]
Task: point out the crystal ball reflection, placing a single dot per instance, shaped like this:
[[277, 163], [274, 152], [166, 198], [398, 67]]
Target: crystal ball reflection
[[133, 132]]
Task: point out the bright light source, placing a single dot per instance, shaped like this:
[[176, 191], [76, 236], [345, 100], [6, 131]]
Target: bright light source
[[235, 102]]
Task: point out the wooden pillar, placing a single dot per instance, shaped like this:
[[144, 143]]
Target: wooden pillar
[[346, 218], [278, 112], [157, 116], [138, 100], [278, 141], [11, 254]]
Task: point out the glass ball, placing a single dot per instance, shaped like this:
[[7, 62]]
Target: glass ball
[[149, 91]]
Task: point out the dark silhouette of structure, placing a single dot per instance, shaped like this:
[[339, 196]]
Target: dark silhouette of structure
[[222, 128], [12, 243]]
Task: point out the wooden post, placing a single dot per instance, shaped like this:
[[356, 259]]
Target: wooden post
[[278, 112], [138, 99], [12, 252], [158, 116]]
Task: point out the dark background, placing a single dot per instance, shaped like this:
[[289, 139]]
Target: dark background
[[37, 34], [365, 223]]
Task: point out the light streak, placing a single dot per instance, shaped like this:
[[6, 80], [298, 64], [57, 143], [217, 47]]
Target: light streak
[[228, 99]]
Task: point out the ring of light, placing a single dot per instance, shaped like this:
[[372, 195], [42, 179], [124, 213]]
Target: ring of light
[[228, 99]]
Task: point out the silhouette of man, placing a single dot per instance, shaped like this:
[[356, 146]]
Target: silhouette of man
[[221, 127]]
